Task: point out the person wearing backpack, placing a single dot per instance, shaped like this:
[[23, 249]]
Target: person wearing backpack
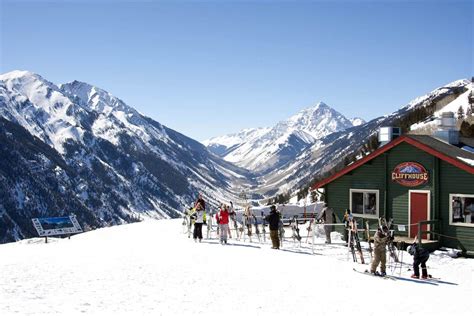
[[381, 238], [327, 217], [273, 220], [420, 257]]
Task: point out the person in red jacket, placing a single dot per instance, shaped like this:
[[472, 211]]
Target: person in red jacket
[[223, 220]]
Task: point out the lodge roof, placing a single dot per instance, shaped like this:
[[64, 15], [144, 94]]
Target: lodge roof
[[444, 151]]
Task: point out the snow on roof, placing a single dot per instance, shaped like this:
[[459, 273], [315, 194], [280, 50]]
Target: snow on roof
[[466, 160]]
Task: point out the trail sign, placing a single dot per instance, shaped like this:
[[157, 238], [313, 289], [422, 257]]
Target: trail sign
[[53, 226]]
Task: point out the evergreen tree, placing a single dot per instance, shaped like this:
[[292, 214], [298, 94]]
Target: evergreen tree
[[467, 130]]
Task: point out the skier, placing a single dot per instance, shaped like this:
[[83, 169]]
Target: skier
[[420, 256], [273, 220], [248, 214], [223, 216], [381, 239], [326, 217], [201, 201], [200, 218]]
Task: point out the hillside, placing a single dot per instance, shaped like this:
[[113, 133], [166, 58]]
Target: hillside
[[152, 268], [75, 148]]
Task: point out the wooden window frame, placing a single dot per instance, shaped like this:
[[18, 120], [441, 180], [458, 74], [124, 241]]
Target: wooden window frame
[[377, 203]]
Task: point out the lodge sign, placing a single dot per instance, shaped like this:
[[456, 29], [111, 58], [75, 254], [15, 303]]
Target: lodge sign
[[410, 174]]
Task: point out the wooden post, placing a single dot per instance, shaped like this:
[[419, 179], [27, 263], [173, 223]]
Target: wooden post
[[419, 234], [45, 239]]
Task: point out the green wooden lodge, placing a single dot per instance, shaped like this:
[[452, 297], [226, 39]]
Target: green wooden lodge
[[412, 179]]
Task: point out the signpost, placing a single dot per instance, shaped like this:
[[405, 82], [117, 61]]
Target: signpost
[[55, 226]]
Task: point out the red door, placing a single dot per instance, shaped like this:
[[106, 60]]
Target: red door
[[418, 212]]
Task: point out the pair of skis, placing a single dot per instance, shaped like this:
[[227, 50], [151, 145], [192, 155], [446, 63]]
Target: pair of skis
[[295, 229], [354, 241], [391, 247]]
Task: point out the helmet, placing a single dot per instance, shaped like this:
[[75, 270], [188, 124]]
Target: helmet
[[409, 250]]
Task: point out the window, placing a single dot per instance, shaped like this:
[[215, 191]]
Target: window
[[461, 209], [364, 203]]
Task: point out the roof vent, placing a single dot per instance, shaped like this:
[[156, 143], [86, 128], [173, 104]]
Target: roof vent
[[447, 131], [388, 133]]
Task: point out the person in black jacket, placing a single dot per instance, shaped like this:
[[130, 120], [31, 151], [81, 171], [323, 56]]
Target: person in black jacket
[[273, 220], [420, 256]]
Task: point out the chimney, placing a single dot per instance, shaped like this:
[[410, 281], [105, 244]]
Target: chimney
[[388, 133], [447, 131]]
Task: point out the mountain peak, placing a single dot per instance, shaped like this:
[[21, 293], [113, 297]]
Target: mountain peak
[[321, 104], [92, 96], [17, 74]]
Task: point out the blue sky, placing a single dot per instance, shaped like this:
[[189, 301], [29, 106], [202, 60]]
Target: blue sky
[[208, 68]]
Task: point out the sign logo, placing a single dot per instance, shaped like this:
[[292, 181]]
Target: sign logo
[[410, 174]]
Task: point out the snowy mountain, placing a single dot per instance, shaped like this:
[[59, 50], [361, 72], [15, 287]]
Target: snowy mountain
[[75, 148], [328, 152], [152, 268], [265, 149]]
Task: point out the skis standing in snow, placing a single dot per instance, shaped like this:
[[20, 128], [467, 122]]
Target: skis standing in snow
[[233, 216], [380, 242], [345, 221], [356, 240], [257, 230], [273, 220], [229, 234], [391, 248], [248, 221], [190, 219], [295, 229], [264, 231]]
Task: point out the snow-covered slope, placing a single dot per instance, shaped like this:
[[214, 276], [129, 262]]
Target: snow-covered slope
[[265, 149], [102, 158], [151, 268]]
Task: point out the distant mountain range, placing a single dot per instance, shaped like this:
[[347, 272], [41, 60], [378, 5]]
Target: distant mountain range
[[75, 148], [316, 140], [264, 149]]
